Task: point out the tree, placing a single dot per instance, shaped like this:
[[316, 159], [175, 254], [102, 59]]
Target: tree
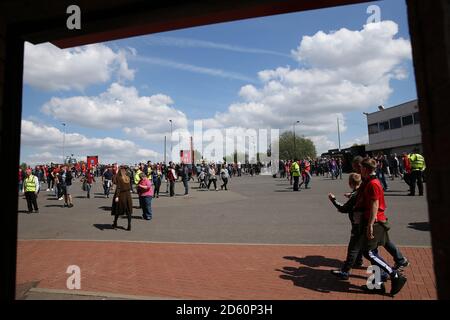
[[235, 157], [303, 147]]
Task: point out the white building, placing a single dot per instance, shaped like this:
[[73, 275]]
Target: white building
[[395, 130]]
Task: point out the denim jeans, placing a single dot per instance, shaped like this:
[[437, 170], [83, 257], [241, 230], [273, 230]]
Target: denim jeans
[[394, 252], [146, 205], [382, 178], [88, 189], [186, 186]]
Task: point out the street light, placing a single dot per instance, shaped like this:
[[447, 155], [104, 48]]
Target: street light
[[64, 141], [295, 150], [171, 140]]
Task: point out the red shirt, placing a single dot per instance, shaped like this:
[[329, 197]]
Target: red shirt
[[374, 191], [407, 164]]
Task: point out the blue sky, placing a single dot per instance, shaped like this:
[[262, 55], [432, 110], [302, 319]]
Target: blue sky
[[214, 73]]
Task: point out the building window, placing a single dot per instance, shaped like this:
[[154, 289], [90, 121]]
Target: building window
[[416, 118], [373, 128], [407, 120], [384, 126], [395, 123]]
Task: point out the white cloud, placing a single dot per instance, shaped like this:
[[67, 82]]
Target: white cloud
[[49, 68], [342, 71], [360, 140], [47, 142], [119, 107]]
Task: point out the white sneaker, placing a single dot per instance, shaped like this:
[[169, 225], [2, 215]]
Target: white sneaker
[[47, 190], [53, 190], [60, 198]]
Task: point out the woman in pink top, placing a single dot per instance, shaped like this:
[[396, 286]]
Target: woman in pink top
[[145, 191]]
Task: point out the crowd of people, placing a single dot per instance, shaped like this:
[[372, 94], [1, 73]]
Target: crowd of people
[[365, 206], [145, 179]]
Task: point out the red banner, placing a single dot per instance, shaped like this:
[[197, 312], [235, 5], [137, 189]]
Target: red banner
[[92, 161], [185, 156]]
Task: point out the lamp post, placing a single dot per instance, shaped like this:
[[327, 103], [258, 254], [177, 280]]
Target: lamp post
[[64, 141], [339, 134], [295, 150], [171, 140]]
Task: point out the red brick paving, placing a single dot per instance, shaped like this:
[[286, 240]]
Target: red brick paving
[[211, 271]]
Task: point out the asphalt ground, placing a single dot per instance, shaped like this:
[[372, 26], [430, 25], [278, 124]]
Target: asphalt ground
[[255, 210]]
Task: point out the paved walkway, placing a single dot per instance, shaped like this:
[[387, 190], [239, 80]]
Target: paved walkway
[[209, 271]]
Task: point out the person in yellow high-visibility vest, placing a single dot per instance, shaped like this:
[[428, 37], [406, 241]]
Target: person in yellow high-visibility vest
[[31, 188], [295, 172], [136, 175], [417, 162]]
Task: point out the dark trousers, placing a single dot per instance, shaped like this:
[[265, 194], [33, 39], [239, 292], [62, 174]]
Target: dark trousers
[[296, 179], [157, 186], [225, 182], [31, 201], [186, 186], [354, 254], [88, 189], [416, 177], [50, 183], [212, 181], [172, 188], [381, 176]]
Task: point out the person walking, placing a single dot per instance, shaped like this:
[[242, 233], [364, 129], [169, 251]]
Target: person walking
[[212, 176], [87, 180], [172, 177], [375, 225], [157, 178], [381, 171], [107, 178], [185, 178], [295, 173], [65, 179], [145, 191], [122, 202], [354, 255], [417, 167], [224, 175], [31, 189]]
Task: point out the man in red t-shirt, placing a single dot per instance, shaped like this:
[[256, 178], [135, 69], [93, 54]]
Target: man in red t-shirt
[[375, 221]]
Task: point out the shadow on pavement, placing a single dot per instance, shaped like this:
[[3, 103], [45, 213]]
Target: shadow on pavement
[[132, 217], [320, 280], [105, 208], [317, 280], [421, 226], [104, 226], [316, 261], [55, 205]]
